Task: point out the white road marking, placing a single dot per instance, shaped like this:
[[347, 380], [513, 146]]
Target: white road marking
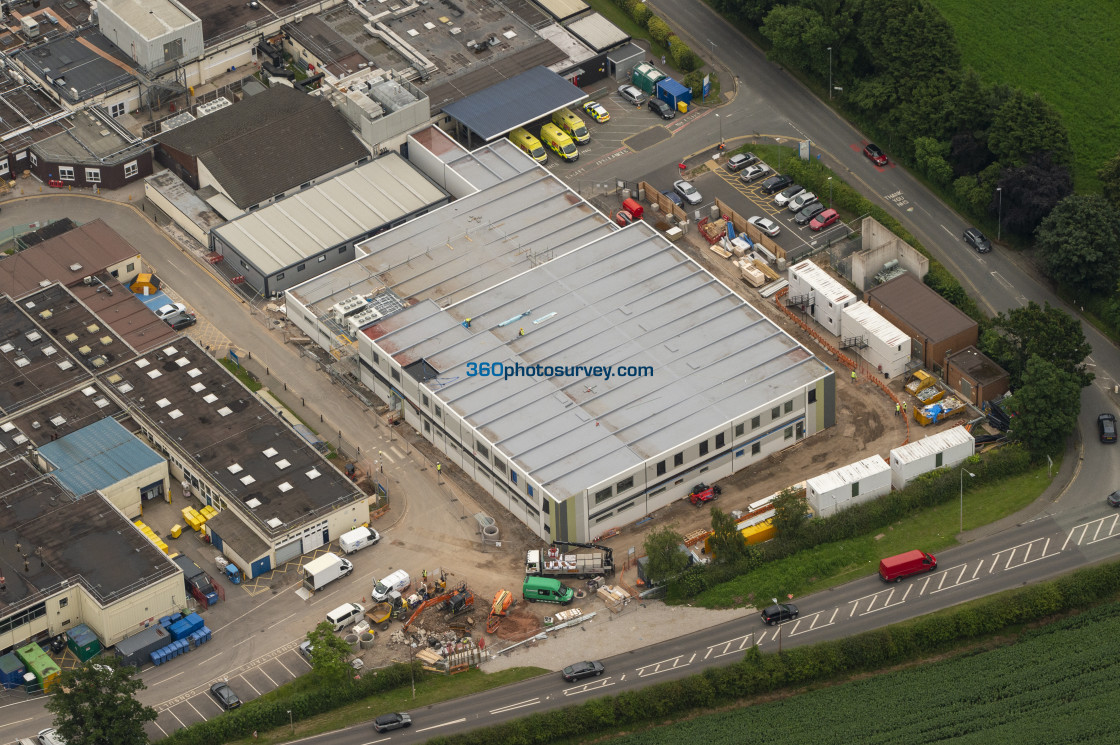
[[592, 686], [445, 724], [282, 620], [196, 711], [12, 724], [397, 452], [177, 719], [270, 680], [242, 676], [511, 707], [286, 668]]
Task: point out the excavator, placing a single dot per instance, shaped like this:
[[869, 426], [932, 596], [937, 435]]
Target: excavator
[[454, 603], [498, 610]]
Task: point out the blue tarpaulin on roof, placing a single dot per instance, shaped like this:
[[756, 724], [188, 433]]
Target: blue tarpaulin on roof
[[513, 103]]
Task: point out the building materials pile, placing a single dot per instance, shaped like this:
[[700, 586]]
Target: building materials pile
[[614, 596]]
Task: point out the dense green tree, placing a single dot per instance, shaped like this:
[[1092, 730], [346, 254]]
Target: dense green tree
[[727, 543], [1110, 180], [969, 154], [1079, 242], [1045, 408], [978, 191], [330, 655], [96, 704], [666, 560], [1043, 331], [929, 155], [796, 35], [790, 512], [1030, 191], [1025, 125]]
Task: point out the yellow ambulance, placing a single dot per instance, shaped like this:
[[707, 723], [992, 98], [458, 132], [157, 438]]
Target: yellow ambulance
[[556, 140], [529, 145], [566, 120]]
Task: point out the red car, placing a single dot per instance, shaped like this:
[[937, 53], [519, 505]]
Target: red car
[[823, 220], [702, 493], [874, 154]]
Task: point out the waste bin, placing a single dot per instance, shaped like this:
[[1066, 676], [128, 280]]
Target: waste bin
[[176, 530]]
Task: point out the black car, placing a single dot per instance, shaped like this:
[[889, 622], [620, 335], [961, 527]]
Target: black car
[[1106, 425], [387, 722], [778, 613], [662, 109], [182, 322], [741, 161], [1113, 499], [977, 240], [775, 184], [812, 210], [588, 669], [227, 699]]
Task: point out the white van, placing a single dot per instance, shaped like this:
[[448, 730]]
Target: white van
[[344, 615], [50, 737], [358, 538], [398, 581]]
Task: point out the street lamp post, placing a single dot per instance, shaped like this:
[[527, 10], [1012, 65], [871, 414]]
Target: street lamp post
[[778, 140], [411, 672], [720, 120], [830, 73], [291, 721], [999, 220], [971, 474], [830, 192]]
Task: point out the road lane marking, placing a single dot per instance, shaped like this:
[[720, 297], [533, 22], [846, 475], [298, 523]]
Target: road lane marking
[[592, 686], [12, 724], [730, 646], [437, 726], [282, 620], [521, 705], [396, 452], [673, 662]]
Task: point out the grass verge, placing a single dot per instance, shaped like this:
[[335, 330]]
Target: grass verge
[[241, 374], [431, 690], [834, 564]]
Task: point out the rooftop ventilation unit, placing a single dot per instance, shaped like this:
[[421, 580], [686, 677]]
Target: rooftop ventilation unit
[[348, 307], [211, 106], [364, 318]]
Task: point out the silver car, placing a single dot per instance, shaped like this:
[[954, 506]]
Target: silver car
[[801, 201], [782, 198], [687, 191], [766, 225], [754, 173], [630, 94]]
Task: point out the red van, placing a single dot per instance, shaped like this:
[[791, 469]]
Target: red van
[[896, 568]]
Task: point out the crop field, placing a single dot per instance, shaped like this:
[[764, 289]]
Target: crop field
[[1063, 49], [1057, 685]]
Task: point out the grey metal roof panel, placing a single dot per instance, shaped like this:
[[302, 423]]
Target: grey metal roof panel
[[97, 456], [510, 103], [598, 33]]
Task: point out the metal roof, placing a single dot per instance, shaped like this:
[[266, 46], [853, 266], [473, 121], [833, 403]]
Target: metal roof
[[511, 103], [152, 19], [563, 9], [626, 298], [848, 474], [598, 33], [330, 213], [875, 324], [932, 445], [98, 456]]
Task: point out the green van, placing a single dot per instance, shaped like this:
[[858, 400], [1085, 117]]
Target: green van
[[546, 590]]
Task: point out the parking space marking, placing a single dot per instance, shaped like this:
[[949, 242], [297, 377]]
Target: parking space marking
[[196, 711], [242, 676], [177, 719], [270, 680], [286, 668], [586, 687], [672, 662], [161, 729]]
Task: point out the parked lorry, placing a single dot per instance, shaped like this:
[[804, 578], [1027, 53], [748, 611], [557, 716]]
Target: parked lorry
[[197, 581], [898, 568], [551, 562], [358, 538], [317, 573]]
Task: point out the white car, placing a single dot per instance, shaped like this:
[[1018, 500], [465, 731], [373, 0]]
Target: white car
[[782, 198], [630, 94], [754, 173], [171, 309], [801, 201], [766, 225], [687, 191]]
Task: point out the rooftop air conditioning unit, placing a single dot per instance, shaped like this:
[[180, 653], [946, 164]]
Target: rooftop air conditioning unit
[[348, 307], [357, 321]]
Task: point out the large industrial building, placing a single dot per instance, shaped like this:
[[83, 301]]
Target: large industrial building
[[483, 323]]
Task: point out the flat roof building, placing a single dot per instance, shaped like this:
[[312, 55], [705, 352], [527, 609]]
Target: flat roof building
[[90, 249], [632, 369], [936, 326]]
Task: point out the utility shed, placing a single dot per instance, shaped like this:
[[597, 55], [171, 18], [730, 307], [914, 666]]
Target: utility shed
[[882, 344], [848, 485], [816, 292], [941, 450], [976, 376], [153, 32]]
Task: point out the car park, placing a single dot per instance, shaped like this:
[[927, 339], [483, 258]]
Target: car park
[[225, 696], [804, 216], [687, 191], [597, 112], [674, 197], [662, 109], [977, 240], [801, 201], [579, 670], [181, 322], [778, 613], [1113, 499], [630, 94], [766, 225], [1106, 425], [171, 310], [874, 154], [782, 198], [389, 722], [775, 184], [754, 173], [740, 161], [823, 220]]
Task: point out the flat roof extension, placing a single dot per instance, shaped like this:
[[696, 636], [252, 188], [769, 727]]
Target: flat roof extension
[[513, 102], [32, 365]]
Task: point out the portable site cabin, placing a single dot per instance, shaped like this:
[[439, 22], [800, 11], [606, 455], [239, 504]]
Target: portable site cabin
[[818, 294], [645, 76], [848, 485], [887, 347], [941, 450]]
